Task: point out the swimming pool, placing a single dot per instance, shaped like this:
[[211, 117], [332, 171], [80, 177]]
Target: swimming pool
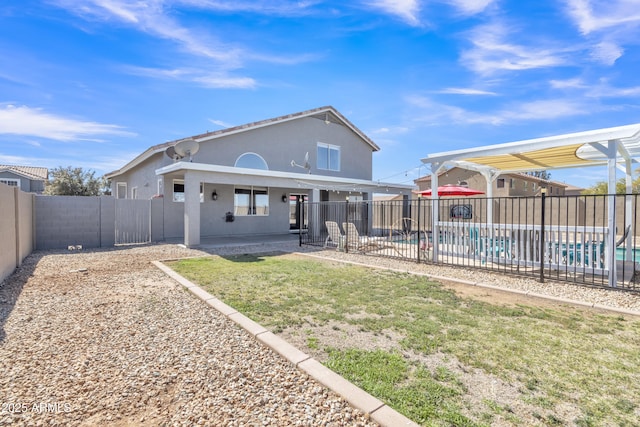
[[621, 254]]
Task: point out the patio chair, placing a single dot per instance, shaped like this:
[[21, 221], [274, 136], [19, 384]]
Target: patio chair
[[335, 235], [363, 243]]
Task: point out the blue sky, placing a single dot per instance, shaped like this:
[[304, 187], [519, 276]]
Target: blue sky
[[93, 83]]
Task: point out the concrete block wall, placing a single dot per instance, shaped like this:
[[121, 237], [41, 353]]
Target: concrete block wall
[[16, 228], [63, 221]]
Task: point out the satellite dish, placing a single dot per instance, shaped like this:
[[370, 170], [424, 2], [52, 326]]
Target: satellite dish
[[306, 164], [187, 147], [171, 153]]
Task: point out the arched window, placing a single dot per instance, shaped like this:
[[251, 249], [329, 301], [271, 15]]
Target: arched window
[[251, 161]]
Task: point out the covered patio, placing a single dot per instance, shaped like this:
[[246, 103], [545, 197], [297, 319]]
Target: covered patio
[[614, 148], [280, 186]]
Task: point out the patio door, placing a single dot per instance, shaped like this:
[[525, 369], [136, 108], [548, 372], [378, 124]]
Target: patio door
[[298, 212]]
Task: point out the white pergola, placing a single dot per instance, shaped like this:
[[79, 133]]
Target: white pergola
[[615, 147]]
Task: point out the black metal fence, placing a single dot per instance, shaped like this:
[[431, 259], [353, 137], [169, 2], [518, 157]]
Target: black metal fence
[[565, 238]]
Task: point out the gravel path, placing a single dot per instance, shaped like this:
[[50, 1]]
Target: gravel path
[[104, 338]]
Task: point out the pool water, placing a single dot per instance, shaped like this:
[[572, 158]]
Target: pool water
[[622, 252]]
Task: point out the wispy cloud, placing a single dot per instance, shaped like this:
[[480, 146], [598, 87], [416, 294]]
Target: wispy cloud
[[492, 52], [435, 113], [220, 123], [471, 7], [407, 10], [575, 83], [596, 15], [274, 7], [218, 58], [606, 52], [34, 122], [466, 91], [605, 90], [608, 24]]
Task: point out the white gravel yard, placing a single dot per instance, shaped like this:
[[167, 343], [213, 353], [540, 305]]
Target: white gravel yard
[[104, 338]]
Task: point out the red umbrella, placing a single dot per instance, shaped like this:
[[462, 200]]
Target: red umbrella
[[452, 190]]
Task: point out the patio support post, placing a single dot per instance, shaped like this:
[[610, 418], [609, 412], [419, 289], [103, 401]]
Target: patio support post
[[610, 253], [191, 210], [628, 208], [435, 211], [314, 213]]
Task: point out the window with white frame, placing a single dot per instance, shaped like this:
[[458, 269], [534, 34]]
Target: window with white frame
[[160, 187], [251, 201], [121, 190], [328, 157], [178, 191], [10, 182], [134, 193]]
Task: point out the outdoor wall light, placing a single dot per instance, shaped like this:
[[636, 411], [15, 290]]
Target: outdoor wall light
[[284, 198], [214, 195]]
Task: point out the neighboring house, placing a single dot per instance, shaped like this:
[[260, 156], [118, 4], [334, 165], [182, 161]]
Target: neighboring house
[[250, 179], [506, 185], [572, 190], [27, 178]]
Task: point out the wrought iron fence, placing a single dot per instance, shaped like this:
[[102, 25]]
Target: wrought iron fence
[[565, 238]]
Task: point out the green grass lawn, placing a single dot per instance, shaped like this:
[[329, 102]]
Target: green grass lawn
[[565, 365]]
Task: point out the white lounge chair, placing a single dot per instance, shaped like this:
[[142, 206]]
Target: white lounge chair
[[335, 237], [363, 243]]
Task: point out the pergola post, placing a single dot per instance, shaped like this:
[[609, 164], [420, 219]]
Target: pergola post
[[610, 254], [435, 211]]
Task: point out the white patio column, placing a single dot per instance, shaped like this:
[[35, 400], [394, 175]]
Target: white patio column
[[314, 212], [435, 212], [628, 206], [610, 253], [191, 209]]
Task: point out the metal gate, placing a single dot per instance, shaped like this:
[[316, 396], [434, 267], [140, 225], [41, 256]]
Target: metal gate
[[133, 221]]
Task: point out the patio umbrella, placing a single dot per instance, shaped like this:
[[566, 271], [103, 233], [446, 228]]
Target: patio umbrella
[[452, 190]]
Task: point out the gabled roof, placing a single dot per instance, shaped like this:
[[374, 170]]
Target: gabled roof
[[327, 114], [30, 172]]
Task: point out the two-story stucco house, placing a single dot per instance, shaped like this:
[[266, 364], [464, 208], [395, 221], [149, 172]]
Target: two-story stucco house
[[250, 179], [29, 179]]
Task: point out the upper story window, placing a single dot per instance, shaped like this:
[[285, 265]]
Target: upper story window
[[10, 182], [251, 161], [500, 183], [328, 157], [512, 183]]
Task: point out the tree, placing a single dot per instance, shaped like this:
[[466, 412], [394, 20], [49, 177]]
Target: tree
[[73, 182], [601, 187], [540, 174]]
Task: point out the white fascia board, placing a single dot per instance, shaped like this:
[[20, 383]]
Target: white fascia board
[[629, 133], [278, 178], [136, 161]]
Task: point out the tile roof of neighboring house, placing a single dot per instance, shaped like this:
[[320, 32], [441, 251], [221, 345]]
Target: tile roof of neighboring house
[[31, 172], [327, 113]]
